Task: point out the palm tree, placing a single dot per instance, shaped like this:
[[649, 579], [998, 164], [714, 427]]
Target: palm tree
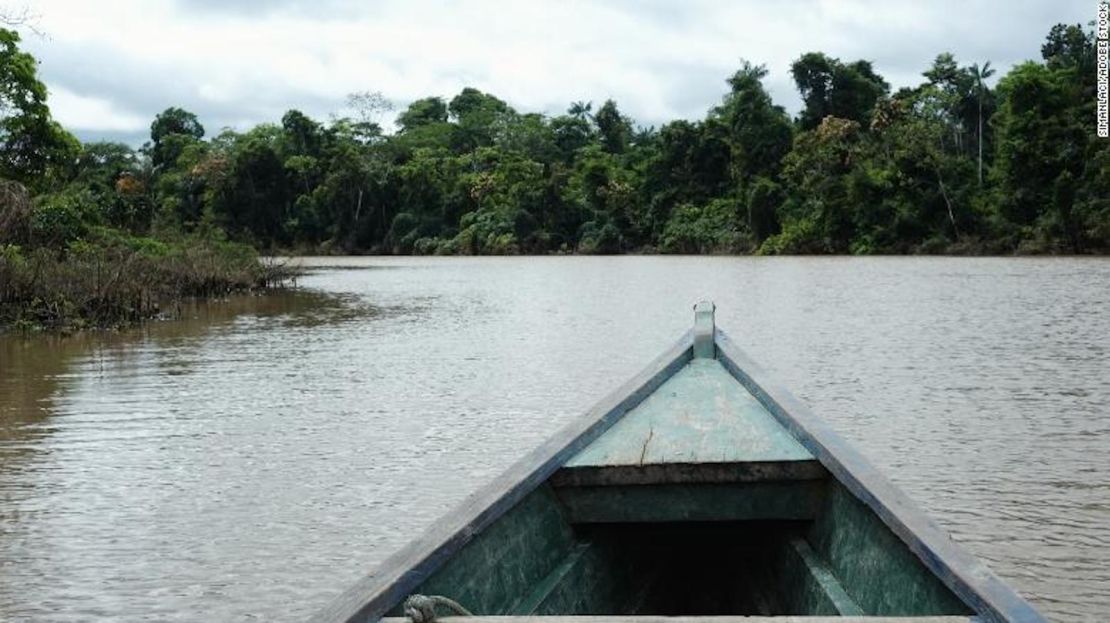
[[580, 110], [981, 74]]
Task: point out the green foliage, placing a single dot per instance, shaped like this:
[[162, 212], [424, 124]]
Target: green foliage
[[599, 239], [62, 218], [615, 129], [764, 197], [1070, 46], [798, 236], [830, 87], [487, 232], [172, 131], [1049, 164], [477, 116], [422, 112], [32, 144], [711, 228], [950, 165], [759, 132], [817, 171]]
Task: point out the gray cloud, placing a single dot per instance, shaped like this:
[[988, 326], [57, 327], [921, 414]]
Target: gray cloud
[[135, 88], [237, 63]]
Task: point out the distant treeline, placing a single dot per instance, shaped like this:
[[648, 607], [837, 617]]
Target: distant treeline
[[950, 165]]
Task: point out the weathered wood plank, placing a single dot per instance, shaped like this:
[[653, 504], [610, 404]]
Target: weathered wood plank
[[543, 589], [821, 578], [873, 564], [700, 415], [708, 619], [962, 573], [689, 473], [383, 588], [507, 560], [788, 500]]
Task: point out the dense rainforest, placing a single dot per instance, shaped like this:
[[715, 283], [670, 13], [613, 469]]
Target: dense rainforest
[[951, 165]]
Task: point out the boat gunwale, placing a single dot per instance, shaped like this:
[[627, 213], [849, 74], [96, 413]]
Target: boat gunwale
[[963, 574], [395, 578], [968, 578]]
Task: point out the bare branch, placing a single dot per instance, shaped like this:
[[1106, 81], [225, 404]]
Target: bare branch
[[369, 105], [15, 212], [21, 17]]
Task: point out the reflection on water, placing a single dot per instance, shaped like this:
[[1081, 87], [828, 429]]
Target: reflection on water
[[254, 458]]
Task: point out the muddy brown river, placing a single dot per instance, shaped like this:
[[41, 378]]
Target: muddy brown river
[[252, 459]]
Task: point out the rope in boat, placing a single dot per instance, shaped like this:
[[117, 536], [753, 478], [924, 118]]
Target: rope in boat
[[422, 608]]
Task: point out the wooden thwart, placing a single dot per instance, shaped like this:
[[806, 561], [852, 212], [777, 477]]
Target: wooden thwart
[[638, 619], [688, 473], [657, 503]]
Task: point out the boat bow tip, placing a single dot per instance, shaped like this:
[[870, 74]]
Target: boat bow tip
[[704, 346]]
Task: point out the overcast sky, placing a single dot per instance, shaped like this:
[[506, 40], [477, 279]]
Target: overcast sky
[[111, 65]]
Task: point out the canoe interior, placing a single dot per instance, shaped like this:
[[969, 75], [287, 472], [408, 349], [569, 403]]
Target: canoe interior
[[697, 502]]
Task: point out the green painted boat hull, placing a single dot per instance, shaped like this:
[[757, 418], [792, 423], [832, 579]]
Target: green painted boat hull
[[699, 489], [842, 562]]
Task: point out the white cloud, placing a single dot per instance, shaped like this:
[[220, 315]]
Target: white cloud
[[92, 113], [242, 62]]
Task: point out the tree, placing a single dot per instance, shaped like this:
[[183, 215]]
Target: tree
[[111, 171], [303, 136], [614, 128], [1069, 46], [688, 163], [830, 87], [759, 131], [369, 108], [981, 74], [31, 142], [911, 168], [259, 193], [571, 133], [477, 115], [581, 110], [423, 112], [711, 228], [944, 72], [1048, 163], [947, 165], [952, 90], [764, 198], [819, 216], [171, 130]]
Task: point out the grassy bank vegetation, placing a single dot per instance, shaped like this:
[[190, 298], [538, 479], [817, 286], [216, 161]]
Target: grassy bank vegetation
[[62, 270], [82, 245], [120, 282]]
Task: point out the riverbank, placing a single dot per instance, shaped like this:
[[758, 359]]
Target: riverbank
[[966, 247], [112, 280]]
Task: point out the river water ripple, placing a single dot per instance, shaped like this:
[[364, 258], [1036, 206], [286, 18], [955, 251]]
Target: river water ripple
[[252, 460]]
